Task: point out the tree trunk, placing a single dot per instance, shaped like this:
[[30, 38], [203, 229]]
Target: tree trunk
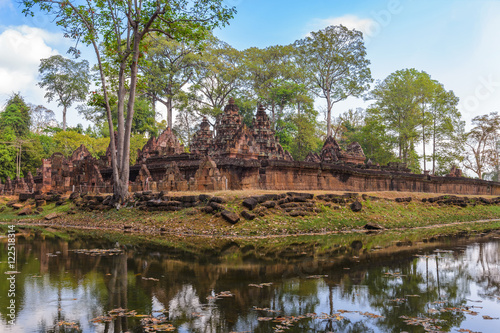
[[169, 112], [423, 136], [328, 116], [434, 149], [64, 118], [121, 189], [273, 116]]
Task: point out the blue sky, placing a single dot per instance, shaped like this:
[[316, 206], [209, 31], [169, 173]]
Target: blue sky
[[456, 41]]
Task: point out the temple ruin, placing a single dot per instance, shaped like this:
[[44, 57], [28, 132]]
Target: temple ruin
[[233, 156]]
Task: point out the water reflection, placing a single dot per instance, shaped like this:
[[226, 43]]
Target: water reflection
[[62, 290]]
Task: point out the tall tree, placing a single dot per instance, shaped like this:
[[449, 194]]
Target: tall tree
[[8, 153], [371, 133], [116, 30], [481, 143], [266, 70], [41, 118], [335, 61], [16, 116], [168, 68], [445, 129], [397, 106], [65, 80], [286, 94], [217, 77], [412, 106]]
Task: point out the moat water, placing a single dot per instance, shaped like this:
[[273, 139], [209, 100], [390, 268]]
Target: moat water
[[109, 287]]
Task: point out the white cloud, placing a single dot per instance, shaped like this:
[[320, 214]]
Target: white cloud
[[5, 3], [23, 47], [365, 25]]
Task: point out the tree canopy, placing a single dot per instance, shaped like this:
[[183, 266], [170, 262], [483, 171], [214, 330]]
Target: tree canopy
[[117, 31], [65, 81], [335, 62]]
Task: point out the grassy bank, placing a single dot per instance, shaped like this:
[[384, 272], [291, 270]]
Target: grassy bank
[[377, 207]]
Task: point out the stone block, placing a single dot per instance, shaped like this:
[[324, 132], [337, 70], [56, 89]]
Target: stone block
[[269, 204], [356, 206], [25, 196], [25, 211], [230, 216], [250, 203], [216, 206], [247, 215], [218, 200]]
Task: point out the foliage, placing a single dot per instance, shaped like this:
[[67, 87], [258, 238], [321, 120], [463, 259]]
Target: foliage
[[335, 62], [66, 142], [372, 135], [144, 121], [7, 153], [186, 124], [412, 106], [217, 77], [16, 116], [117, 31], [267, 69], [168, 67], [482, 144], [137, 141], [65, 80], [307, 137], [41, 118]]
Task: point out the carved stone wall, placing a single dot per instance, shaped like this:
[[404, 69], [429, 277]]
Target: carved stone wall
[[239, 158]]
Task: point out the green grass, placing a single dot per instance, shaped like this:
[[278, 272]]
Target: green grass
[[387, 213]]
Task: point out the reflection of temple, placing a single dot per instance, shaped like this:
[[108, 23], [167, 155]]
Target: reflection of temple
[[233, 156], [314, 276]]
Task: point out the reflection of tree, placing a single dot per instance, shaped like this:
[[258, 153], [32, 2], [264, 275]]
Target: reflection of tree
[[117, 291], [109, 282]]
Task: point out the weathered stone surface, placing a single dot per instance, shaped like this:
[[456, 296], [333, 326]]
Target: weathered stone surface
[[269, 204], [25, 211], [241, 159], [230, 216], [455, 172], [52, 216], [208, 209], [17, 205], [25, 196], [295, 213], [40, 203], [373, 226], [216, 206], [356, 206], [247, 215], [266, 197], [188, 198], [11, 203], [407, 199], [300, 195], [250, 203], [74, 195], [269, 148], [205, 197], [331, 151], [202, 139], [218, 200], [313, 157], [165, 144]]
